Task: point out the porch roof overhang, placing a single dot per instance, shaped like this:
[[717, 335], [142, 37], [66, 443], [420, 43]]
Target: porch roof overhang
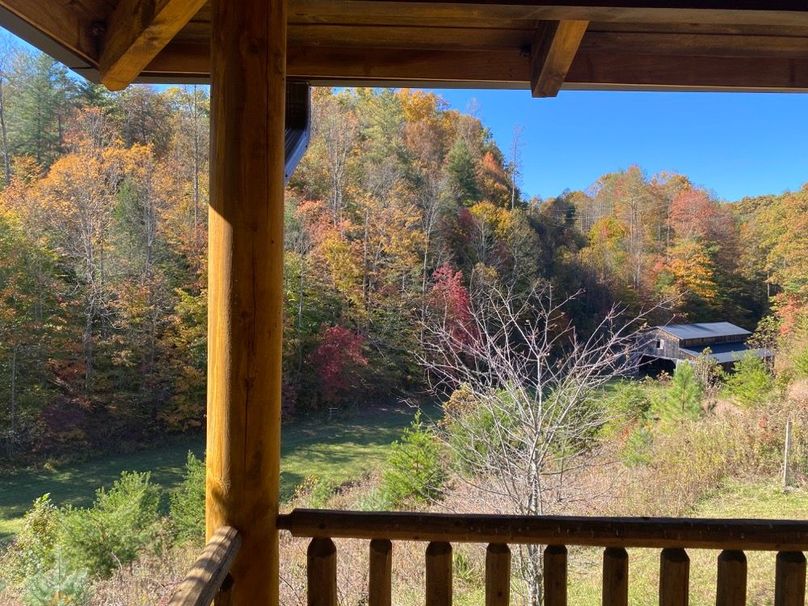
[[574, 44]]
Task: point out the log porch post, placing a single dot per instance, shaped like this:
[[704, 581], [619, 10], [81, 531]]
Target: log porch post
[[245, 286]]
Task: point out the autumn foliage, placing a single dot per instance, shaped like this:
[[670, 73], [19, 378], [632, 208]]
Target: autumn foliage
[[400, 210]]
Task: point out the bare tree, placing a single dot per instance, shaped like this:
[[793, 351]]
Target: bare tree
[[8, 50], [515, 162], [339, 131], [524, 413]]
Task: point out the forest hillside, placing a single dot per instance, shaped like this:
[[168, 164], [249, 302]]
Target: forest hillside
[[400, 206]]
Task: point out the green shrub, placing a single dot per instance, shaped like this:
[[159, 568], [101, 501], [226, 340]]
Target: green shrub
[[751, 383], [57, 586], [708, 371], [322, 489], [33, 549], [187, 502], [801, 363], [116, 529], [682, 398], [638, 447], [413, 470], [628, 402], [472, 426]]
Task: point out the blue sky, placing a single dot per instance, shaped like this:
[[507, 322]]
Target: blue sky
[[734, 144]]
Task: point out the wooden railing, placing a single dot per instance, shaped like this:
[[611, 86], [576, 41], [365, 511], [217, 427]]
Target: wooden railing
[[209, 577], [671, 535]]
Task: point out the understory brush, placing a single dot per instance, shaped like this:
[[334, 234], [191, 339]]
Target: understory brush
[[684, 462], [62, 555], [751, 383]]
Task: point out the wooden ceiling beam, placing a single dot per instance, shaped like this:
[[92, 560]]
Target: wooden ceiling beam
[[781, 13], [506, 68], [65, 24], [136, 32], [706, 45], [627, 70], [554, 47]]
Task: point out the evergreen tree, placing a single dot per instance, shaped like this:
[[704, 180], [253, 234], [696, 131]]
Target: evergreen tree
[[462, 175]]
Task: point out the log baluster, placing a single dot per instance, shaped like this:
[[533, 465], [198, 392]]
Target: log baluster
[[379, 583], [789, 583], [615, 577], [439, 574], [674, 577], [322, 573], [497, 575], [731, 584], [555, 575]]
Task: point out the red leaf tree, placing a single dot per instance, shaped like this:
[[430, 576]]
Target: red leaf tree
[[337, 360]]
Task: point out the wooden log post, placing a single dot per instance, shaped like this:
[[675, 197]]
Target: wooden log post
[[321, 573], [245, 287], [497, 575], [731, 580], [615, 577], [674, 577], [381, 568], [439, 574], [555, 575], [789, 583]]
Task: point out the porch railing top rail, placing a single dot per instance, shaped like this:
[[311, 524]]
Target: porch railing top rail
[[699, 533], [209, 574]]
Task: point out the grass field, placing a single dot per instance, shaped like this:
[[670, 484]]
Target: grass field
[[735, 499], [337, 450]]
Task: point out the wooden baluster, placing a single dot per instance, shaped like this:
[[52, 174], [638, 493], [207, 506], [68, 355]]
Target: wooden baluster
[[497, 575], [731, 590], [439, 574], [225, 595], [789, 585], [674, 577], [322, 573], [381, 564], [615, 577], [555, 575]]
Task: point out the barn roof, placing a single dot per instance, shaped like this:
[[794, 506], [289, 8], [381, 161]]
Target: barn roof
[[725, 353], [705, 330], [538, 44]]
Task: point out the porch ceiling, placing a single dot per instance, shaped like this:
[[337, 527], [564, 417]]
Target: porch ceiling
[[684, 44]]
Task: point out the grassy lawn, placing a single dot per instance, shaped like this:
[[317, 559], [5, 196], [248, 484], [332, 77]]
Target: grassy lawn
[[733, 500], [337, 450]]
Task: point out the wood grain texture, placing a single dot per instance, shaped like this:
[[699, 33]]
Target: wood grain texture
[[438, 563], [210, 570], [731, 579], [380, 574], [245, 286], [674, 577], [615, 577], [497, 575], [136, 31], [69, 23], [507, 69], [701, 533], [554, 47], [789, 584], [555, 575], [697, 44], [753, 12], [321, 573]]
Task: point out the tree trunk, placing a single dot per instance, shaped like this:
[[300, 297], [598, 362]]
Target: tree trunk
[[13, 418], [4, 133]]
